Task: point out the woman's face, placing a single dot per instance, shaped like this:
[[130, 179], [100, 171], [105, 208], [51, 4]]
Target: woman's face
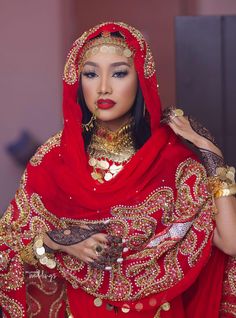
[[109, 83]]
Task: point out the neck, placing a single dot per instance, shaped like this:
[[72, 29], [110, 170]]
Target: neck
[[114, 125], [118, 144]]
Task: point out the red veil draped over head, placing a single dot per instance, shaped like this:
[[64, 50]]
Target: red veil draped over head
[[158, 203]]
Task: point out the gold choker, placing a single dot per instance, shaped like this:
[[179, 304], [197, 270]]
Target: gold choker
[[109, 151]]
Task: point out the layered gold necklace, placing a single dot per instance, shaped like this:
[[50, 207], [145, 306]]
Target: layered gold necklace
[[110, 150]]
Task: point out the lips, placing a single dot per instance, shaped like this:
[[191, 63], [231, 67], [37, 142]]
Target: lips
[[105, 103]]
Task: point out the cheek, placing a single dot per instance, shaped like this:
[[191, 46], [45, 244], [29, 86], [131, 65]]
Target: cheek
[[88, 92], [129, 90]]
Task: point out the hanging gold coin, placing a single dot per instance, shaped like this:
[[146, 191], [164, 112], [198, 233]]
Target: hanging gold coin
[[108, 176], [97, 302]]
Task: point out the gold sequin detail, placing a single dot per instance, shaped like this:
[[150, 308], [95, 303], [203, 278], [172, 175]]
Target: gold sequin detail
[[140, 274], [229, 308], [39, 208], [71, 67], [14, 279], [52, 142], [136, 33], [71, 70], [12, 306], [149, 64], [229, 288]]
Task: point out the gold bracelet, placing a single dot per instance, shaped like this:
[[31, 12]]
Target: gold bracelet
[[41, 254], [27, 254], [225, 192], [226, 174], [214, 184], [222, 184]]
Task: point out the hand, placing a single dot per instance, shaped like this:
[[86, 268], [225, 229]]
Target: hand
[[191, 130], [86, 250], [186, 128]]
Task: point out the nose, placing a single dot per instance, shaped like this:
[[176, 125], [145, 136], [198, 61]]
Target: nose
[[104, 86]]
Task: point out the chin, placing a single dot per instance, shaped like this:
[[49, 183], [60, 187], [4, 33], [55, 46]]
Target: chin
[[108, 118]]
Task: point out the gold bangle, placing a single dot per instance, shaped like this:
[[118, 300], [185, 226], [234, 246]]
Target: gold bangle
[[225, 192], [40, 253]]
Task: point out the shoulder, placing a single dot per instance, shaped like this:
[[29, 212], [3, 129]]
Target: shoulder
[[52, 143]]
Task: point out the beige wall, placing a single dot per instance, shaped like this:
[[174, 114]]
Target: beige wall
[[32, 55]]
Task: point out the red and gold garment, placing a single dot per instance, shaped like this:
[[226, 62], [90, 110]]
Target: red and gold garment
[[158, 203]]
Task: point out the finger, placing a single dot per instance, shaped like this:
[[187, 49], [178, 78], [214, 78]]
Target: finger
[[179, 120], [97, 247], [92, 254], [100, 238], [174, 127], [88, 260], [97, 265], [108, 259], [114, 239]]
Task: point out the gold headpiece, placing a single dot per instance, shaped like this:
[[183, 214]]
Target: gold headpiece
[[105, 44]]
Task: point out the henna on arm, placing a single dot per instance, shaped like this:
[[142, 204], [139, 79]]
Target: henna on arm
[[75, 234]]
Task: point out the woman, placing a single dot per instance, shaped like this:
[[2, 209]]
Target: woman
[[114, 214]]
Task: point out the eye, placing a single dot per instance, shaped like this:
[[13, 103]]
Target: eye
[[89, 74], [120, 74]]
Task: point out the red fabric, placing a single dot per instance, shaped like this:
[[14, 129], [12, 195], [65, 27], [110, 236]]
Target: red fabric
[[64, 185], [203, 299]]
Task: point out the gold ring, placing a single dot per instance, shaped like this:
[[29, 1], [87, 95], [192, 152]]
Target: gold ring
[[98, 249], [178, 112]]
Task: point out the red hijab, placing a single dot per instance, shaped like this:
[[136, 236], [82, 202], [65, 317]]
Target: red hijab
[[62, 179], [158, 202], [69, 179]]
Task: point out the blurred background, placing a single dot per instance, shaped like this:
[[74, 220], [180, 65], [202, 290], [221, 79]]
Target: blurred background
[[35, 38]]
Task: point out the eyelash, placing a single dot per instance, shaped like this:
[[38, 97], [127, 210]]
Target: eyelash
[[117, 74]]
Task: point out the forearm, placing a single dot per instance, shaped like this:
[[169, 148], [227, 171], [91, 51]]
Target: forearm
[[225, 231], [51, 244]]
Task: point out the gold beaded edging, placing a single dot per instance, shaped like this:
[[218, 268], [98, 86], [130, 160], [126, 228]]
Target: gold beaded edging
[[72, 66], [51, 143]]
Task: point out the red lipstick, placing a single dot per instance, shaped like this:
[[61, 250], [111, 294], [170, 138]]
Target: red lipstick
[[105, 103]]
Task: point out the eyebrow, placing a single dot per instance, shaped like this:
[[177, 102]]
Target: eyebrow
[[112, 64]]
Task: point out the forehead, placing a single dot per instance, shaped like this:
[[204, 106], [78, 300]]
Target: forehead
[[106, 55]]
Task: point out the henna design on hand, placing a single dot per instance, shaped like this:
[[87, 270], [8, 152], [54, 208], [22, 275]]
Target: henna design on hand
[[201, 130], [211, 161], [166, 115], [75, 234], [109, 255]]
